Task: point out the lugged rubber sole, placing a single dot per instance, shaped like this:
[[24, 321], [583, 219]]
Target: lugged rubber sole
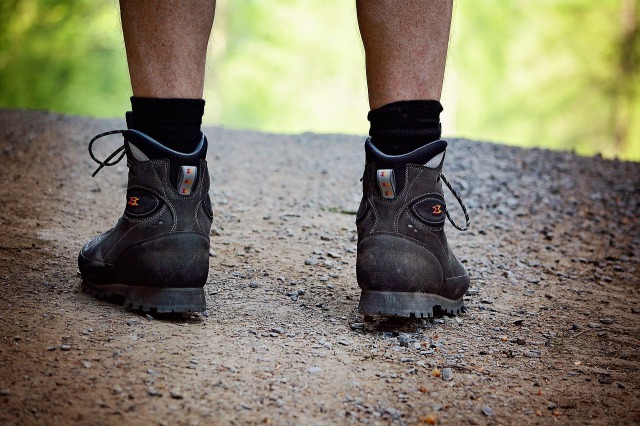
[[409, 305], [148, 299]]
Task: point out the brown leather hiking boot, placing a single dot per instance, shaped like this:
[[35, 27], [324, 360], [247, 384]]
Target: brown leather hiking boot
[[404, 266]]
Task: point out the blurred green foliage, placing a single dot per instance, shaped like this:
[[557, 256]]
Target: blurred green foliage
[[555, 73], [65, 56]]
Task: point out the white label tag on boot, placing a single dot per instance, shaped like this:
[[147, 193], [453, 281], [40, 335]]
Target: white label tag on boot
[[387, 183], [186, 178]]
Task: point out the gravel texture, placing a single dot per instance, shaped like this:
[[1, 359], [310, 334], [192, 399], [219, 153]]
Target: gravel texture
[[552, 330]]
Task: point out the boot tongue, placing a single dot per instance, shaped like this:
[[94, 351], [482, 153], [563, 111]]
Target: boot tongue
[[181, 165], [397, 163]]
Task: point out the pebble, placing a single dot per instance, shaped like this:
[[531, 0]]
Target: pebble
[[87, 364], [532, 354], [521, 342], [311, 262], [635, 310], [314, 370], [51, 348], [606, 320], [5, 392], [176, 394], [404, 339], [487, 411], [333, 254], [594, 325], [65, 347], [153, 392], [357, 326], [149, 317], [132, 322], [278, 330], [253, 285], [447, 374]]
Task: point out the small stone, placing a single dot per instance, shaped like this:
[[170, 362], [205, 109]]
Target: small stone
[[605, 381], [153, 392], [176, 394], [518, 322], [447, 374], [333, 254], [65, 347], [5, 392], [532, 354], [635, 310], [487, 411], [314, 370], [594, 325], [132, 322], [606, 320], [87, 364], [551, 406], [51, 348], [278, 330], [253, 285], [521, 341], [212, 253], [357, 326], [404, 339], [486, 301], [149, 317], [311, 262]]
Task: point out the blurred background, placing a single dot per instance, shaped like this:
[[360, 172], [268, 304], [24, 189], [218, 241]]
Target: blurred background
[[559, 74]]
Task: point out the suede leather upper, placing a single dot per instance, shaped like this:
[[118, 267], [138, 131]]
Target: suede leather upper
[[401, 242], [162, 238]]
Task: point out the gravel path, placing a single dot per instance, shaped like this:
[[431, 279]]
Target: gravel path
[[552, 331]]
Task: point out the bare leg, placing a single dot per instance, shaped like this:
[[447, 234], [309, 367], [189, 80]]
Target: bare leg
[[166, 44], [405, 44]]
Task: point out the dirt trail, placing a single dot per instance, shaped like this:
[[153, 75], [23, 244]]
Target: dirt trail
[[552, 331]]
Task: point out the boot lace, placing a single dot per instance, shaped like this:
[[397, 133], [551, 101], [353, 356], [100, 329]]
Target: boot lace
[[107, 162], [464, 209]]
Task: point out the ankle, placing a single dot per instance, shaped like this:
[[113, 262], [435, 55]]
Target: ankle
[[175, 123], [404, 126]]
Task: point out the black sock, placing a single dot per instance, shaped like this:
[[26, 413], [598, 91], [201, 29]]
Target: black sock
[[175, 123], [404, 126]]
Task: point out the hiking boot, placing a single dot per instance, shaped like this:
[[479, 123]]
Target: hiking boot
[[404, 264], [156, 258]]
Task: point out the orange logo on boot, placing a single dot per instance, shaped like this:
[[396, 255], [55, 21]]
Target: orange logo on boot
[[133, 201], [437, 210]]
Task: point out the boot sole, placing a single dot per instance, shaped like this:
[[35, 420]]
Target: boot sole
[[149, 299], [408, 305]]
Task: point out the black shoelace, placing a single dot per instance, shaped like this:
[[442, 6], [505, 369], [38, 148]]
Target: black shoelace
[[464, 209], [107, 162]]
